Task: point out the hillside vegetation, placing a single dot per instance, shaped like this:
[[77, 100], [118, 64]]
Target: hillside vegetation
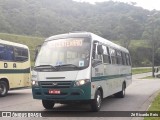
[[112, 20], [133, 27], [32, 42]]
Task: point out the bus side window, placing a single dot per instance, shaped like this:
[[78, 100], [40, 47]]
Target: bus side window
[[113, 55], [119, 57], [97, 52], [25, 54], [2, 50], [106, 56], [21, 54], [94, 51], [128, 60], [8, 54], [124, 61]]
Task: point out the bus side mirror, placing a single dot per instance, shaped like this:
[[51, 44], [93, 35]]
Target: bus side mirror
[[37, 51], [99, 49]]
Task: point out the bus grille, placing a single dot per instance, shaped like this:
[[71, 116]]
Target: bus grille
[[55, 84]]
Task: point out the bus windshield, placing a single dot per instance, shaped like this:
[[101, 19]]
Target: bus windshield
[[69, 52]]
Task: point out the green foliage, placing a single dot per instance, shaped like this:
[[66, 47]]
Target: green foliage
[[112, 20], [141, 56]]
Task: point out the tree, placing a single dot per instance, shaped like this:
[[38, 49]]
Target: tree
[[128, 29], [151, 33]]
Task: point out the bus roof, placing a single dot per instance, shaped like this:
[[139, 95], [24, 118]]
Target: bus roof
[[13, 44], [69, 35], [87, 34]]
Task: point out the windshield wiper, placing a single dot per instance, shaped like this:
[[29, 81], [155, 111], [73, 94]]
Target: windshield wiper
[[44, 66], [68, 65]]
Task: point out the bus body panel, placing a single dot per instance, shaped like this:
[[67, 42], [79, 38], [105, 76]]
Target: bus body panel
[[57, 76], [112, 79]]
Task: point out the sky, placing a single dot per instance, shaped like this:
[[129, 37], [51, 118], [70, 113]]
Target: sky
[[146, 4]]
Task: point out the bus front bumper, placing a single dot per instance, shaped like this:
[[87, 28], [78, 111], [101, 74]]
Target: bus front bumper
[[66, 94]]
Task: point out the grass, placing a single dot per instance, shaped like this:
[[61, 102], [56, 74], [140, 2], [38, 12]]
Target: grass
[[155, 106], [141, 70]]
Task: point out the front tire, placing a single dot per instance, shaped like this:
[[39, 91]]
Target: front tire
[[3, 88], [96, 103], [47, 104]]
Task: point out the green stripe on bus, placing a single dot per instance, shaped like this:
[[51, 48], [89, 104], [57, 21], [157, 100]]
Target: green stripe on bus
[[10, 71], [99, 78]]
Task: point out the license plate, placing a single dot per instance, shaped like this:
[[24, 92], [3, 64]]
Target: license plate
[[54, 92]]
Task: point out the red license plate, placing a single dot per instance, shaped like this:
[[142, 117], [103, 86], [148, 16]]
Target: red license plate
[[54, 92]]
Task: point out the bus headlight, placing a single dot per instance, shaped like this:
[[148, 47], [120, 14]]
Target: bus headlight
[[35, 83], [81, 82]]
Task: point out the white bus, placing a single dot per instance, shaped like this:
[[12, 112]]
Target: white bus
[[80, 67], [14, 66]]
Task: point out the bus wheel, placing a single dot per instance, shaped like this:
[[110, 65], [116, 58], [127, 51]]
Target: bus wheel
[[96, 103], [121, 94], [48, 104], [3, 88]]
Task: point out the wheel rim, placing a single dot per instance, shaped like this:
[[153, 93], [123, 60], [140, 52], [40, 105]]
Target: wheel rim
[[123, 91], [2, 89], [98, 101]]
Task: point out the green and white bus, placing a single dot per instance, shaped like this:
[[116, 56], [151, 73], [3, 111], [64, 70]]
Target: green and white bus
[[80, 67], [14, 66]]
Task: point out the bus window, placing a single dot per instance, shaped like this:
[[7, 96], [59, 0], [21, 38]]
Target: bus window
[[124, 58], [74, 51], [95, 54], [8, 53], [113, 55], [2, 50], [20, 54], [128, 59], [94, 51], [119, 57], [106, 57]]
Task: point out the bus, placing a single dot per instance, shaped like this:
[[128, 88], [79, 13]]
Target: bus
[[80, 67], [14, 66]]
